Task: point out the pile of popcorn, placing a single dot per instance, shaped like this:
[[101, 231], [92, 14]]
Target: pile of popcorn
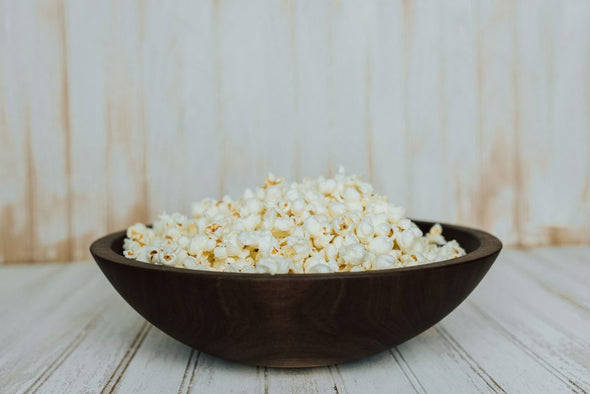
[[317, 226]]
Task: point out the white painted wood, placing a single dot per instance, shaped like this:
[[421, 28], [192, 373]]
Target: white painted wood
[[553, 278], [300, 380], [459, 113], [88, 122], [179, 97], [42, 91], [578, 257], [348, 109], [425, 353], [249, 68], [17, 282], [416, 366], [523, 329], [379, 373], [124, 106], [220, 376], [46, 324], [539, 319], [557, 309], [24, 304], [17, 198], [467, 111], [555, 123], [304, 62], [156, 355], [497, 202], [385, 106], [100, 355], [423, 136], [502, 365]]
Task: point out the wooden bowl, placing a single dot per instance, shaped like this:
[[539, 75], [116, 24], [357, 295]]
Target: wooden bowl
[[298, 320]]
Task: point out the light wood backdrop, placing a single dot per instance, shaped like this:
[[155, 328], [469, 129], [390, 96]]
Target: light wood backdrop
[[475, 112]]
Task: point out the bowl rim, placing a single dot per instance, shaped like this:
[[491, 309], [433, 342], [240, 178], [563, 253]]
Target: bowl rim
[[489, 245]]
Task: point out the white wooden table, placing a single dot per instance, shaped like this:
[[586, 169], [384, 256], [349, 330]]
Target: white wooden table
[[526, 328]]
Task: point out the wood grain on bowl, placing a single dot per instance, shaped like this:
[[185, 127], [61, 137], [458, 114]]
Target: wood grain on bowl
[[292, 320]]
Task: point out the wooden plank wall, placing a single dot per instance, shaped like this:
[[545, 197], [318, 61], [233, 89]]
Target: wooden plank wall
[[473, 112]]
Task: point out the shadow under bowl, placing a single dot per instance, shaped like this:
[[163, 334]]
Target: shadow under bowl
[[298, 320]]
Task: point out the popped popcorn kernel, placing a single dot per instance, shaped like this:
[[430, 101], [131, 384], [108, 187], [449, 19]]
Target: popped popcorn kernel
[[321, 225]]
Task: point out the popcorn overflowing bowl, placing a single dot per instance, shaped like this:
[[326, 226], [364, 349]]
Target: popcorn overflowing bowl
[[323, 286]]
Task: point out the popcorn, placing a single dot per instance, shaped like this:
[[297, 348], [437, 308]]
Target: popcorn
[[326, 186], [321, 269], [365, 230], [353, 254], [313, 226], [220, 252], [273, 265], [405, 240], [385, 261], [190, 262], [166, 256], [201, 243], [380, 245], [321, 225], [337, 209], [316, 260], [283, 224]]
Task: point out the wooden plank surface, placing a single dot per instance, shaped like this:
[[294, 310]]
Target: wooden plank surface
[[524, 329], [473, 112]]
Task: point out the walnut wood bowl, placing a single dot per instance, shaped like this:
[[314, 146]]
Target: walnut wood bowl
[[298, 320]]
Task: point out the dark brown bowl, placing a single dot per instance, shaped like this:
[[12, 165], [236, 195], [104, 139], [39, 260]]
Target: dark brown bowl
[[304, 320]]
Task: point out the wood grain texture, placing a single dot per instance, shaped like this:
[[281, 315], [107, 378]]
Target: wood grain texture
[[523, 329], [471, 112]]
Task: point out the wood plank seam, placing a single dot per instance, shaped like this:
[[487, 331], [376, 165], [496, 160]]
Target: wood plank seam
[[181, 388], [530, 352], [119, 371], [407, 371], [339, 382], [189, 387], [265, 380], [473, 365], [61, 357]]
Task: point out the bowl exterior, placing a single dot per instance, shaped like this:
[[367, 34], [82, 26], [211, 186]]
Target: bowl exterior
[[294, 320]]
